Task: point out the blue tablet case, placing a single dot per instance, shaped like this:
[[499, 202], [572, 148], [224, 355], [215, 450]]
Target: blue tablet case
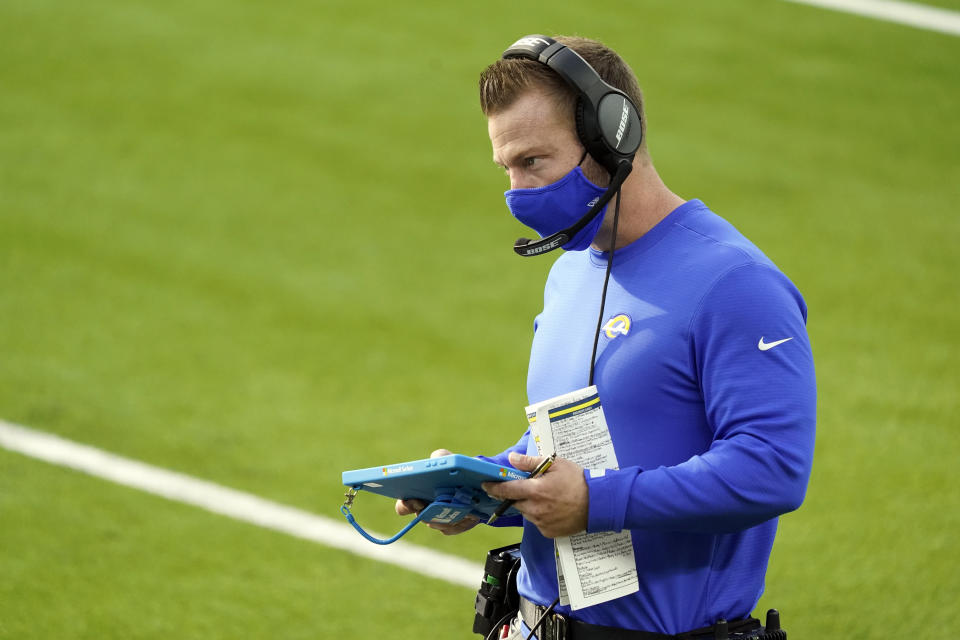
[[451, 484]]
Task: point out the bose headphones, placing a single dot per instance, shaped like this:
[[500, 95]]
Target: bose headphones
[[608, 123]]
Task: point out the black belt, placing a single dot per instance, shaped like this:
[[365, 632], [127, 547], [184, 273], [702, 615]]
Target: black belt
[[558, 627]]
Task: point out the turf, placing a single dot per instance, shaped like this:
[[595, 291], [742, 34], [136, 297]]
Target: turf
[[117, 563], [262, 244]]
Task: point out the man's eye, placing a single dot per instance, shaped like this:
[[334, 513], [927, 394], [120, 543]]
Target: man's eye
[[530, 162]]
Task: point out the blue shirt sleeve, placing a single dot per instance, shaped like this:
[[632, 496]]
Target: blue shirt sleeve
[[751, 354]]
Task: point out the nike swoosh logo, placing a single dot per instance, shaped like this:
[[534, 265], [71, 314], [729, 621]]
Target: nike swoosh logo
[[766, 346]]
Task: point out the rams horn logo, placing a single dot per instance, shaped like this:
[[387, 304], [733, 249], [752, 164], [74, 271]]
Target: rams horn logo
[[617, 325]]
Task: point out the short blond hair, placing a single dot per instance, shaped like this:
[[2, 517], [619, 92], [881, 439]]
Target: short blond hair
[[507, 79]]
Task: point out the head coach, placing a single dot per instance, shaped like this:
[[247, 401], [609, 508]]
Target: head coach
[[695, 340]]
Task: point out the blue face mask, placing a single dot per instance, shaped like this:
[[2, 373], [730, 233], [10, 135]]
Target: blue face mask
[[556, 206]]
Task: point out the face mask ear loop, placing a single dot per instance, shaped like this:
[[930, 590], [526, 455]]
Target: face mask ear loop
[[582, 158], [606, 280]]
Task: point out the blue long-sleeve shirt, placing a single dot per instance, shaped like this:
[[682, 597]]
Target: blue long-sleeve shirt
[[706, 378]]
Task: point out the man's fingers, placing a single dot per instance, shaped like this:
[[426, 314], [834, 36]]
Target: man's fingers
[[466, 524], [440, 452], [513, 490], [407, 507], [524, 462]]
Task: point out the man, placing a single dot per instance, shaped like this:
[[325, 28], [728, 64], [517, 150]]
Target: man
[[703, 368]]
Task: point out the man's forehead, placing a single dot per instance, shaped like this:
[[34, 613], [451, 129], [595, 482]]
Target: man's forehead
[[522, 139], [534, 118]]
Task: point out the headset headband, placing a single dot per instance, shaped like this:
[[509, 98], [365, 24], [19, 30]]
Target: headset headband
[[608, 122]]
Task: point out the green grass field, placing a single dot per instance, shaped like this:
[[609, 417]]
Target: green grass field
[[263, 243]]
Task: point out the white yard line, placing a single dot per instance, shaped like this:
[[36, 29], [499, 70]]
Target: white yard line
[[234, 504], [908, 13]]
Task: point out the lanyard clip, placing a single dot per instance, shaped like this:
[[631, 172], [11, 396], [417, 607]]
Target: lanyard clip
[[348, 498]]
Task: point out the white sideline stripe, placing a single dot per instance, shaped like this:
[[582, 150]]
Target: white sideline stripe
[[234, 504], [908, 13]]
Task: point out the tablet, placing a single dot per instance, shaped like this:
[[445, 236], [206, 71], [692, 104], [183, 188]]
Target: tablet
[[447, 478]]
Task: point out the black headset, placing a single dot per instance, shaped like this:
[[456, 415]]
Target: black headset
[[608, 125]]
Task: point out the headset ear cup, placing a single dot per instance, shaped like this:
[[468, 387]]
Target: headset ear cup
[[619, 124], [581, 126], [590, 135], [636, 125]]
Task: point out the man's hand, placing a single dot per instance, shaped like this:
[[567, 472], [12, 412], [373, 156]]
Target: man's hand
[[557, 502], [409, 507]]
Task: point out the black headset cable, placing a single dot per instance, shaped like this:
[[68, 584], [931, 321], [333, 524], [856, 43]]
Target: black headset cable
[[606, 281]]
